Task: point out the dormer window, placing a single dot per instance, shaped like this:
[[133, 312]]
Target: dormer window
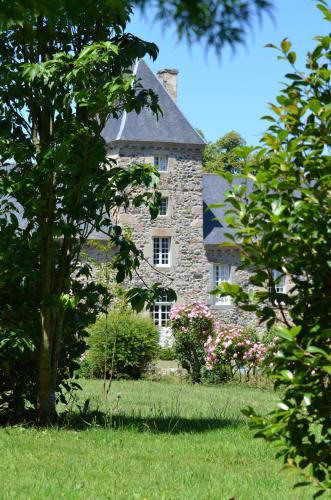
[[161, 162], [164, 206]]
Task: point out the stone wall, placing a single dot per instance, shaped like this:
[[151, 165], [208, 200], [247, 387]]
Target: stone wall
[[182, 183], [230, 314], [191, 273]]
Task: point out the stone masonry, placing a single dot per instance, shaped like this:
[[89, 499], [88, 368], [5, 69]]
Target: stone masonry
[[182, 184]]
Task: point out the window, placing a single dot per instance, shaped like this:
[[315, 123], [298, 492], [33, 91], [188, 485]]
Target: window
[[279, 279], [221, 274], [160, 311], [161, 253], [164, 206], [161, 162]]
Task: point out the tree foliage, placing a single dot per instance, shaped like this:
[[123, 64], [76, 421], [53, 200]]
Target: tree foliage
[[222, 156], [284, 225], [230, 154], [216, 23], [61, 77]]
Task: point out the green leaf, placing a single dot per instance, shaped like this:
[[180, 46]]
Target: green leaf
[[315, 105], [216, 205], [316, 350], [325, 9], [234, 202], [268, 118], [228, 244], [271, 46], [293, 76], [292, 57], [307, 398], [278, 207], [283, 406], [285, 45], [287, 374], [288, 334]]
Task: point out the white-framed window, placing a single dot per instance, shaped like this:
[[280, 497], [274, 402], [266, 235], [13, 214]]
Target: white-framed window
[[279, 279], [164, 206], [221, 274], [160, 311], [161, 162], [161, 251]]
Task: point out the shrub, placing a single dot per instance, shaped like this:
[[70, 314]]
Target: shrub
[[86, 368], [124, 342], [167, 354], [192, 324], [20, 326], [231, 350]]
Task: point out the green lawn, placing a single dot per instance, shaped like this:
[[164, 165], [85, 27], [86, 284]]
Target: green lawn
[[158, 441]]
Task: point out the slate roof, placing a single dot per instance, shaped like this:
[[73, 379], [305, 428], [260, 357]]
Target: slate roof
[[214, 227], [172, 127]]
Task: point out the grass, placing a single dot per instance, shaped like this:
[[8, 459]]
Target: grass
[[149, 440]]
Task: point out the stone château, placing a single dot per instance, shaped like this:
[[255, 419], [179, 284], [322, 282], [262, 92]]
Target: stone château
[[182, 244]]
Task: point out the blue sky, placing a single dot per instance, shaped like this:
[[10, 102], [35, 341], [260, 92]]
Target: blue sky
[[232, 92]]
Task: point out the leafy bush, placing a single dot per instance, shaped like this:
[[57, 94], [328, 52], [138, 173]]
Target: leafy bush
[[192, 324], [122, 342], [230, 350], [85, 369], [16, 357], [167, 354]]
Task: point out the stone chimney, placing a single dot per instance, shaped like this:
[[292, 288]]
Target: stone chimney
[[168, 78]]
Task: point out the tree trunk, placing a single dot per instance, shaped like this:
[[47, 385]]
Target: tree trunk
[[196, 368], [46, 373], [52, 317], [46, 367]]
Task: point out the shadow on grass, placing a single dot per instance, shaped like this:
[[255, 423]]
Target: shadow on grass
[[154, 424]]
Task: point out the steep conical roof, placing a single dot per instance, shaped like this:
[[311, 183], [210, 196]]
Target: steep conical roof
[[172, 127]]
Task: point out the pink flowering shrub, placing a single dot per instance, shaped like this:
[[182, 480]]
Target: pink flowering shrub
[[232, 350], [192, 324]]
